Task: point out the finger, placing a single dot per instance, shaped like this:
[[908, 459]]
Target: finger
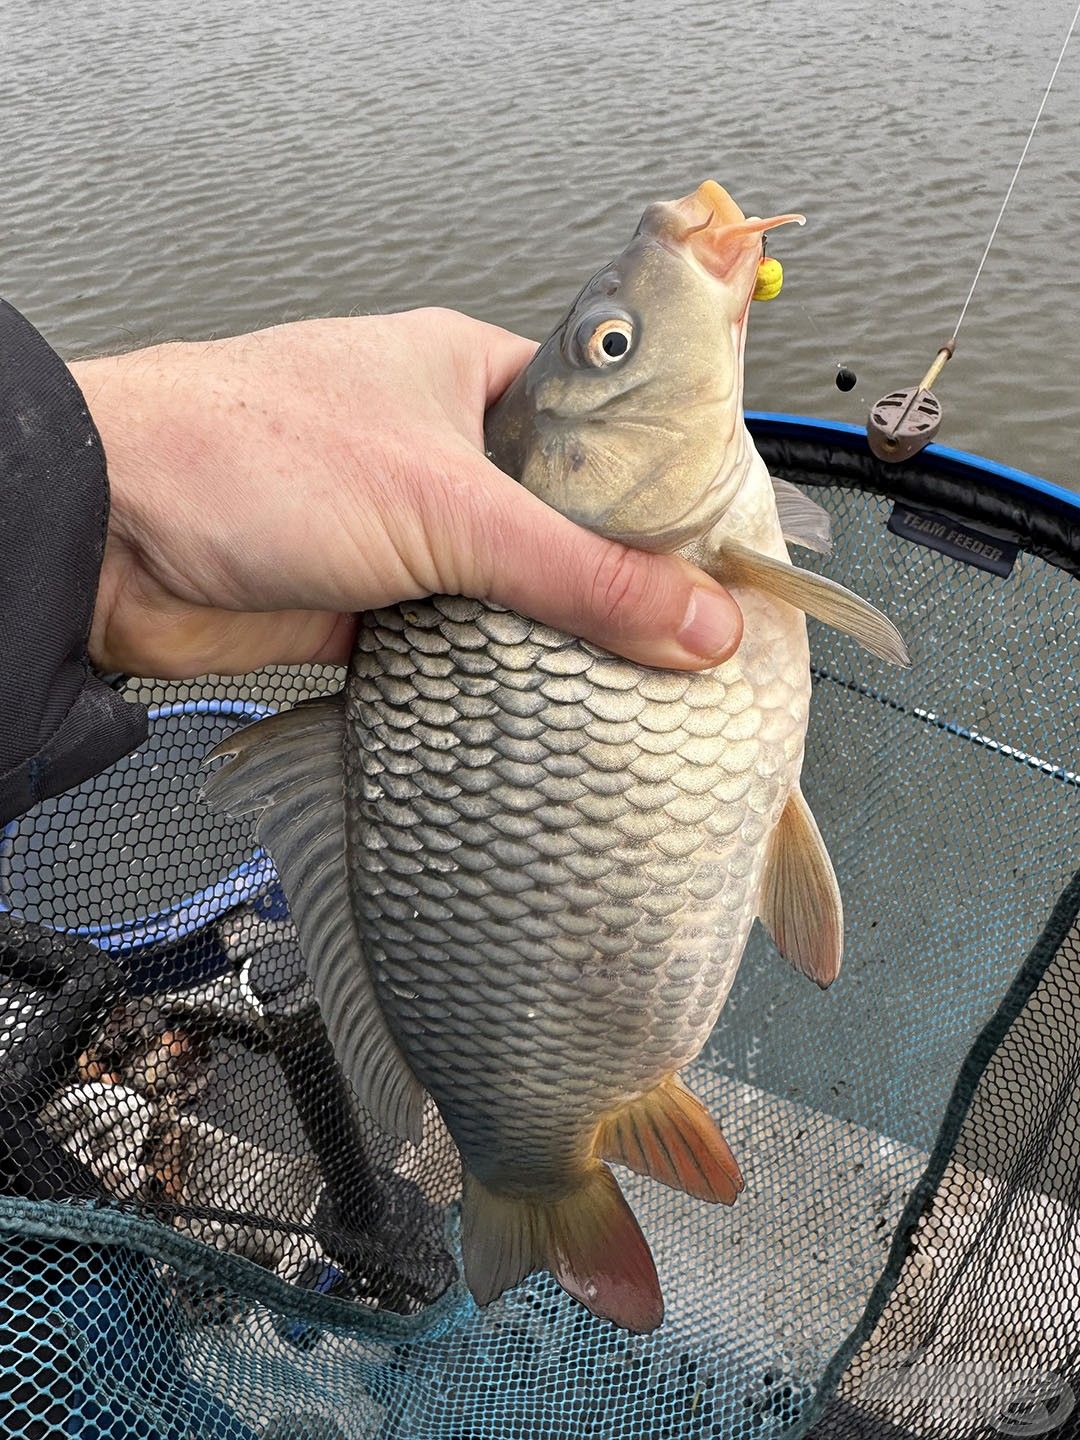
[[507, 355], [513, 549], [486, 351], [339, 643], [234, 643]]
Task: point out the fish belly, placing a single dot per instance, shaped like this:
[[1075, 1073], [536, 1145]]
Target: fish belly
[[555, 857]]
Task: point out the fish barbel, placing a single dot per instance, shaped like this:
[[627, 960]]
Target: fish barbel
[[524, 870]]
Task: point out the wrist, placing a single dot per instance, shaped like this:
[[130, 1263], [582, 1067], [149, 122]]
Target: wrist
[[114, 408], [114, 394]]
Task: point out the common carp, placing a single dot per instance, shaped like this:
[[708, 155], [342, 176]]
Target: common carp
[[524, 870]]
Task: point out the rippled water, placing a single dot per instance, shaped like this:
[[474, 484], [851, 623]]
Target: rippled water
[[197, 169]]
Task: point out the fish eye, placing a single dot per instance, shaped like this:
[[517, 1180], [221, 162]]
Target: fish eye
[[607, 341]]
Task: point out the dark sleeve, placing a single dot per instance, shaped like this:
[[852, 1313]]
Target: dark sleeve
[[59, 723]]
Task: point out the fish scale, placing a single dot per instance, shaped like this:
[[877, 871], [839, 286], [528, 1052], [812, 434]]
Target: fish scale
[[605, 956]]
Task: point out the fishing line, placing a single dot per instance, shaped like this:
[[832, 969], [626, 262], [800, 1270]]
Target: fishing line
[[1016, 172], [903, 421], [769, 286], [846, 379]]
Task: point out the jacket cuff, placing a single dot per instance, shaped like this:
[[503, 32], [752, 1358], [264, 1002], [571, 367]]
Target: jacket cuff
[[59, 723], [98, 729]]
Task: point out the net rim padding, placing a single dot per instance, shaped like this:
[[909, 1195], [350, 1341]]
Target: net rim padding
[[1040, 517], [1043, 520]]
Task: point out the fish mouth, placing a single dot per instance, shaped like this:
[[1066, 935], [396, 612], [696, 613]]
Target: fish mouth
[[713, 229]]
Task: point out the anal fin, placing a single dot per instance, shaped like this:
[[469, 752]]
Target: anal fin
[[800, 901], [588, 1239], [669, 1135], [287, 771]]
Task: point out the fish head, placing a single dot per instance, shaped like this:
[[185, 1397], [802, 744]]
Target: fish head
[[629, 417]]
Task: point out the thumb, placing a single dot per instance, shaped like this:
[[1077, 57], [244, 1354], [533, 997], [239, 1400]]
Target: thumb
[[656, 609]]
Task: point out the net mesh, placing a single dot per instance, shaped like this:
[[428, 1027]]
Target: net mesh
[[204, 1235]]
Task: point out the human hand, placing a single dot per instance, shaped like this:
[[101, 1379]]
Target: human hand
[[267, 487]]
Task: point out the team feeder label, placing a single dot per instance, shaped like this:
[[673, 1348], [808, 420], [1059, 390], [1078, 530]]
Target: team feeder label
[[960, 541]]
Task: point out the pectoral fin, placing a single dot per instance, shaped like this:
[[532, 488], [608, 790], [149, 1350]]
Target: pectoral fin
[[669, 1135], [802, 520], [817, 596], [800, 900], [287, 772]]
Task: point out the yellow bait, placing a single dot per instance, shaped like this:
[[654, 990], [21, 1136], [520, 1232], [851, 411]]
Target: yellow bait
[[770, 279]]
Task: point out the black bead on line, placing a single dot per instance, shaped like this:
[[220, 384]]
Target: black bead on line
[[846, 379]]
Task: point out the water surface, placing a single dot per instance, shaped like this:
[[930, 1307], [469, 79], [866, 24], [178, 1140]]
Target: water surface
[[199, 169]]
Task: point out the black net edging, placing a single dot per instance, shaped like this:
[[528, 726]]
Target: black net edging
[[939, 1350], [205, 1235]]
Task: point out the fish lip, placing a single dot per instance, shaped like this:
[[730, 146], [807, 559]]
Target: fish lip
[[708, 228]]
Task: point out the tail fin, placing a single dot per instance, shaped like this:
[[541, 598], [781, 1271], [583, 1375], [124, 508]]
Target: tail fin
[[589, 1241]]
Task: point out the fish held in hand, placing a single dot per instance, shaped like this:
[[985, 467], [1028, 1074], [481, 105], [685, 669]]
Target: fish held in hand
[[524, 870]]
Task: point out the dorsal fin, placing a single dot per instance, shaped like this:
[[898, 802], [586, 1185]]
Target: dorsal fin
[[288, 771], [802, 520]]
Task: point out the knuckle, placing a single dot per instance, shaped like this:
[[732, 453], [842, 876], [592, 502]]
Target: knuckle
[[436, 318], [623, 588], [462, 528]]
